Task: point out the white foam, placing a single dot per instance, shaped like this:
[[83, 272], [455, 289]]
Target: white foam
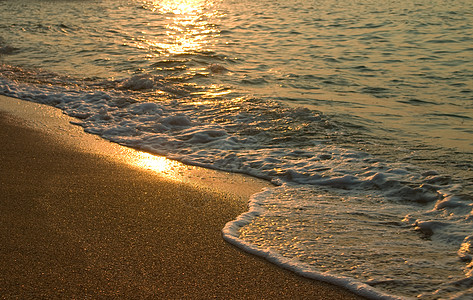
[[250, 136], [138, 82], [231, 234]]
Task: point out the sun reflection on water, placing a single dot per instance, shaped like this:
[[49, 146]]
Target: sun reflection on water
[[188, 24], [181, 7]]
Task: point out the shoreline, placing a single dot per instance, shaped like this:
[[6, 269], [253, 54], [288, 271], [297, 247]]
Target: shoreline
[[85, 217]]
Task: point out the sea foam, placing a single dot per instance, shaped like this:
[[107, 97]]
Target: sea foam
[[269, 141]]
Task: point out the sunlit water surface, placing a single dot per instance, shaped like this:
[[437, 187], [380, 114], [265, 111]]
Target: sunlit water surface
[[361, 112]]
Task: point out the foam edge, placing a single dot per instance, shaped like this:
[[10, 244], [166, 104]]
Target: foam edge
[[230, 234]]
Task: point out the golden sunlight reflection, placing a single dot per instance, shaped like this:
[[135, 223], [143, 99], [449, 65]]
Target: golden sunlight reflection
[[159, 164], [181, 7], [188, 24]]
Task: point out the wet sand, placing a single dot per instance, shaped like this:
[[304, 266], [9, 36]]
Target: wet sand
[[79, 224]]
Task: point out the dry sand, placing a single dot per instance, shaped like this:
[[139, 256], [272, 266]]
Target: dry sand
[[78, 224]]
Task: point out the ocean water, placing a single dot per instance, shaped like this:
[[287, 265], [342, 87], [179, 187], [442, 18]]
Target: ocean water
[[359, 112]]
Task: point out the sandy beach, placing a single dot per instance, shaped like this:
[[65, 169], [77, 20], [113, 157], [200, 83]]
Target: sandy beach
[[79, 224]]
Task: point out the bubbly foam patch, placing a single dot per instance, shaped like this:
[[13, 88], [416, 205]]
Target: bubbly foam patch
[[350, 193]]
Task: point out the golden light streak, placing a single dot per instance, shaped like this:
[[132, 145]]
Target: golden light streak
[[161, 165], [188, 26]]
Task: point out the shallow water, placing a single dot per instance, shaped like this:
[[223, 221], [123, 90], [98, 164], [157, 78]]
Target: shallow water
[[360, 112], [403, 66]]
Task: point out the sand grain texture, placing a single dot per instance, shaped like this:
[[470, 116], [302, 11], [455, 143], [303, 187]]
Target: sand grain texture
[[76, 224]]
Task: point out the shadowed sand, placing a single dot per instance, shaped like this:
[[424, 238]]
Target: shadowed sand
[[77, 224]]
